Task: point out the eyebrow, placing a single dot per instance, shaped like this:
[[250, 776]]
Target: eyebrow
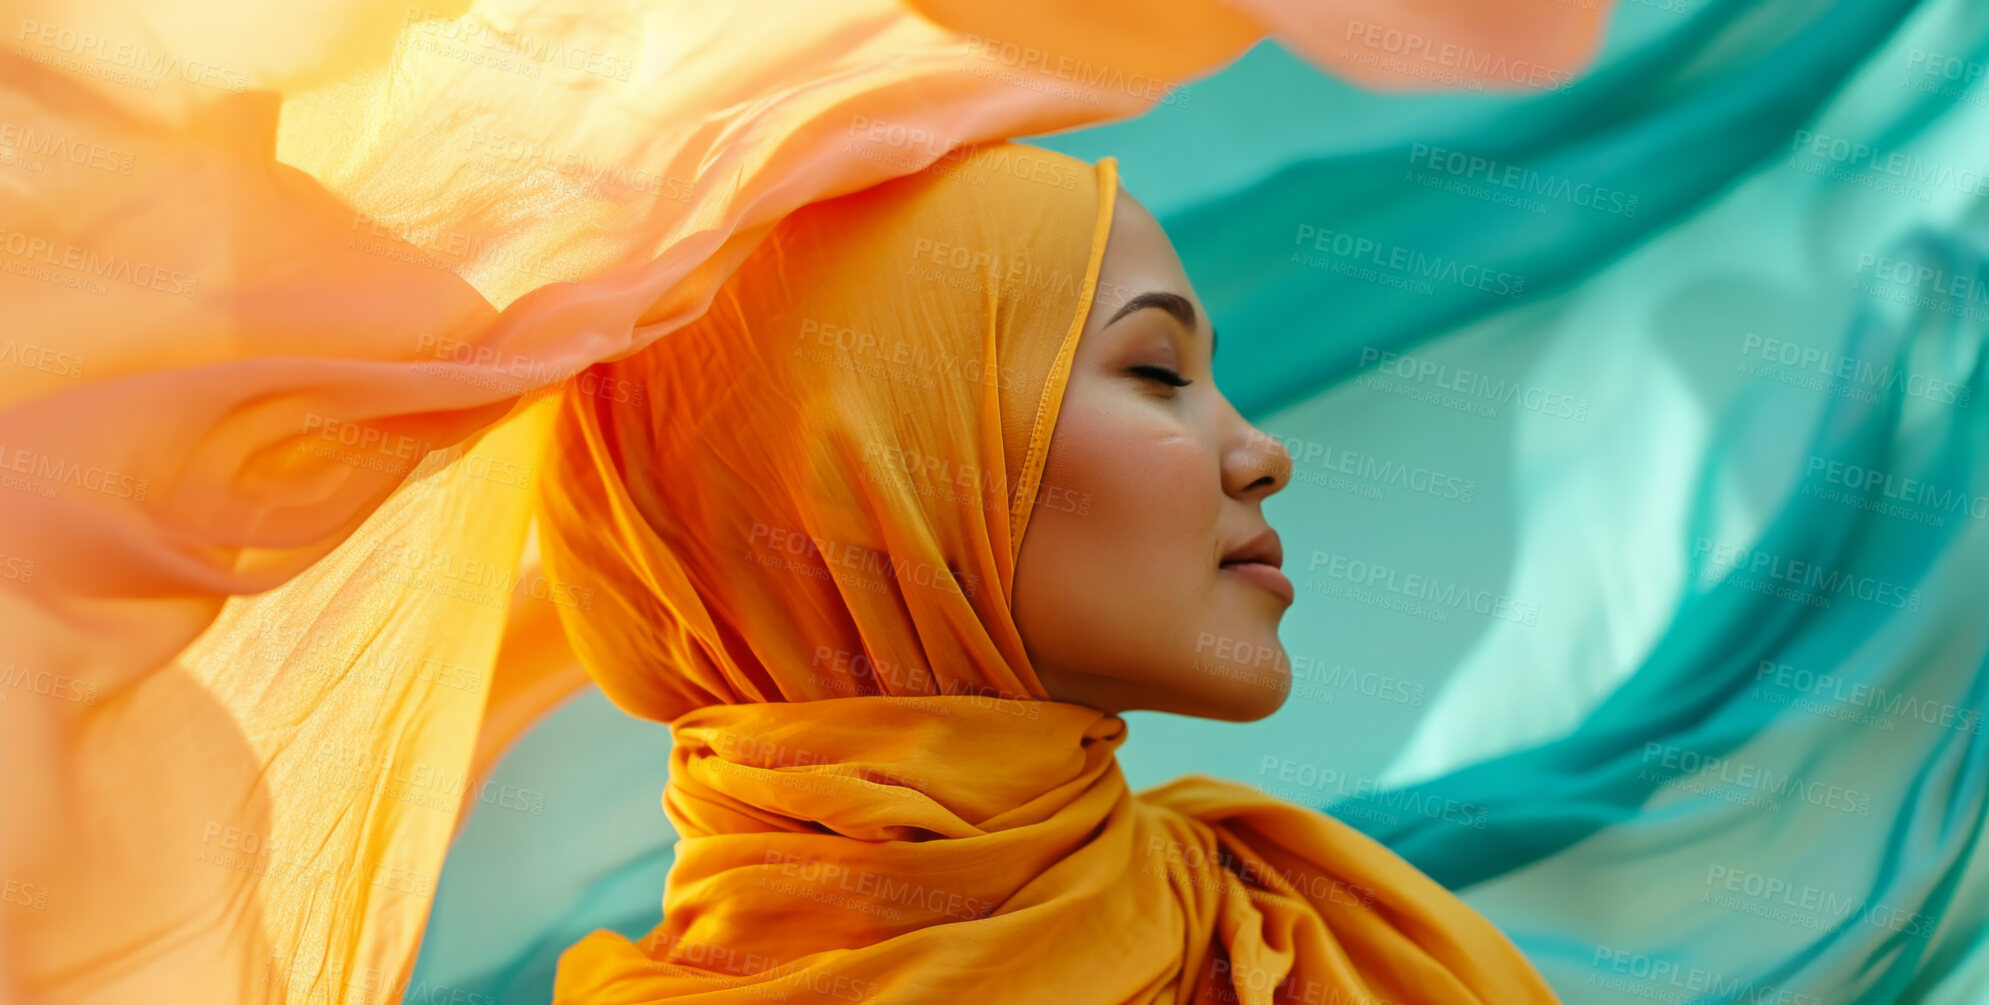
[[1172, 303]]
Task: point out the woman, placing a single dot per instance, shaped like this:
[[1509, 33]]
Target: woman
[[939, 485]]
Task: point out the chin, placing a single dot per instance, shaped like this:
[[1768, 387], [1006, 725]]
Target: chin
[[1245, 676], [1262, 699]]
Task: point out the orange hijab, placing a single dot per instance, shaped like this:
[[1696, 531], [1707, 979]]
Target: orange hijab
[[798, 521]]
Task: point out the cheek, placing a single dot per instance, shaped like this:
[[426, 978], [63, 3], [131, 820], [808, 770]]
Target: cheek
[[1146, 481], [1118, 589]]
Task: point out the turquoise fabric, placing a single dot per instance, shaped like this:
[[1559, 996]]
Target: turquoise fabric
[[1639, 517], [519, 887]]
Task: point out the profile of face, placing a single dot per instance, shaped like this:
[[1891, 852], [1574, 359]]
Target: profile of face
[[1162, 591]]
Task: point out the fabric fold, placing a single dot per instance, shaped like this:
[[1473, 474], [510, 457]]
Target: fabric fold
[[1056, 881]]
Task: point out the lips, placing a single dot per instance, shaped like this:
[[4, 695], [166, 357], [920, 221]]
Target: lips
[[1258, 562], [1265, 548]]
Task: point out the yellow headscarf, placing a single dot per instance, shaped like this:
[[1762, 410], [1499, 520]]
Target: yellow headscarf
[[797, 520]]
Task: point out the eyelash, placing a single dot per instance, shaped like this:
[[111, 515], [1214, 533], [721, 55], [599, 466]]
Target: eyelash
[[1160, 373]]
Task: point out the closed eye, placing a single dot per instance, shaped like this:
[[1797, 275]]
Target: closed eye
[[1160, 373]]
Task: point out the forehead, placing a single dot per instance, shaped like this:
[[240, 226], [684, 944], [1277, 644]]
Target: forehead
[[1138, 259]]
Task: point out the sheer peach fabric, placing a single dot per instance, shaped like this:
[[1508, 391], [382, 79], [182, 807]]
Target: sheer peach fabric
[[284, 286]]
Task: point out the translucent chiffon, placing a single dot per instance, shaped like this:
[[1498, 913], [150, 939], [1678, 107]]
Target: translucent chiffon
[[283, 287]]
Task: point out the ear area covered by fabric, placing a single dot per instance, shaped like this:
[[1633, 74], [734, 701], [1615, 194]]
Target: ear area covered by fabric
[[821, 494]]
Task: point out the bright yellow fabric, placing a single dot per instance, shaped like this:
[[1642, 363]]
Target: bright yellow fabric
[[283, 287], [803, 546]]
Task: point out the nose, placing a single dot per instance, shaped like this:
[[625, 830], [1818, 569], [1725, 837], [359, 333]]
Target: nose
[[1256, 464]]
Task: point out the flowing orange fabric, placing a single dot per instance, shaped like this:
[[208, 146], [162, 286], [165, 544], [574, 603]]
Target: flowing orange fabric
[[803, 548], [286, 288]]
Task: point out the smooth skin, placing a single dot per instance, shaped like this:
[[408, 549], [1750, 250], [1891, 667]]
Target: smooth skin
[[1127, 604]]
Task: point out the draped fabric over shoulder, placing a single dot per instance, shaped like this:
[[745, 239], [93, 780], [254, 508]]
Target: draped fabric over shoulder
[[295, 292], [803, 546]]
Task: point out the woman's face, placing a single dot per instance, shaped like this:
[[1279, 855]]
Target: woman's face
[[1162, 591]]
